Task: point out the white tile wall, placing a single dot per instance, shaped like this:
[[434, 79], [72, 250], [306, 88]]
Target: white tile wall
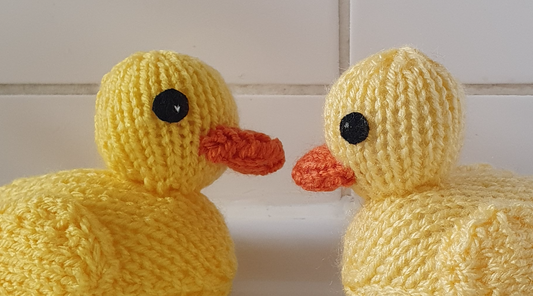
[[287, 240], [499, 131], [42, 134], [296, 121], [479, 41], [62, 41]]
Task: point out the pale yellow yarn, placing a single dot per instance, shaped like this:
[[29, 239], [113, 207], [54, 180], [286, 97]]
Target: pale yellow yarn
[[413, 106], [472, 235], [142, 227], [427, 227]]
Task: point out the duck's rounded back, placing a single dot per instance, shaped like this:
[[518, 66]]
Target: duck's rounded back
[[396, 120]]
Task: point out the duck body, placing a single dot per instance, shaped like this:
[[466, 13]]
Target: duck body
[[166, 126], [95, 234], [471, 235], [394, 128]]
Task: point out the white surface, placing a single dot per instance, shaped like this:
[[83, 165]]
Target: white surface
[[478, 41], [289, 250], [63, 41]]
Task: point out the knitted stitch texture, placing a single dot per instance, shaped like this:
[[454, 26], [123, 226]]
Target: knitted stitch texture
[[141, 227], [428, 227], [319, 171], [414, 112]]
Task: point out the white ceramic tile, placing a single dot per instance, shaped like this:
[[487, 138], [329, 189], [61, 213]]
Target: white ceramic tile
[[62, 41], [478, 41], [499, 132], [41, 134], [297, 122]]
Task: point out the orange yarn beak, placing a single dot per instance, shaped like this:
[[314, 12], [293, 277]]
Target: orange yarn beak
[[318, 170], [244, 151]]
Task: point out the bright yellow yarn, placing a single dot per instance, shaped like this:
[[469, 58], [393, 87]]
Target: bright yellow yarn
[[150, 151], [142, 227], [427, 227]]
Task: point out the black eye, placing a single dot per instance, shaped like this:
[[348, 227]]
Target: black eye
[[171, 105], [354, 128]]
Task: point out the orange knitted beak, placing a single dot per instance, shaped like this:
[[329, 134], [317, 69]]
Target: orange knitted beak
[[318, 170], [244, 151]]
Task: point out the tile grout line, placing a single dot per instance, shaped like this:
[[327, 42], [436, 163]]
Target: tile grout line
[[499, 89], [49, 89], [344, 35], [251, 89], [92, 89]]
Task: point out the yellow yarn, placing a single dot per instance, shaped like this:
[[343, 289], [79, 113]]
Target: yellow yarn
[[427, 227], [150, 151], [142, 227], [471, 235], [86, 232], [413, 107]]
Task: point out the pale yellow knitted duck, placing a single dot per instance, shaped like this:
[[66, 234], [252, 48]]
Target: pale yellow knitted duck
[[166, 126], [394, 128]]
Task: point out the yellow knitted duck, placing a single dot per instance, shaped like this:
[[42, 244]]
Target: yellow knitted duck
[[166, 126], [394, 128]]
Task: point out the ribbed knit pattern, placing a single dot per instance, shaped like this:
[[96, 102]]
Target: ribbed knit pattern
[[149, 151], [141, 227], [245, 151], [86, 232], [318, 170], [413, 106], [471, 235], [427, 227]]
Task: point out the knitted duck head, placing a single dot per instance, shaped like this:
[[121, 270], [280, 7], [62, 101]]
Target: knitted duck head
[[166, 126], [168, 121], [393, 123]]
